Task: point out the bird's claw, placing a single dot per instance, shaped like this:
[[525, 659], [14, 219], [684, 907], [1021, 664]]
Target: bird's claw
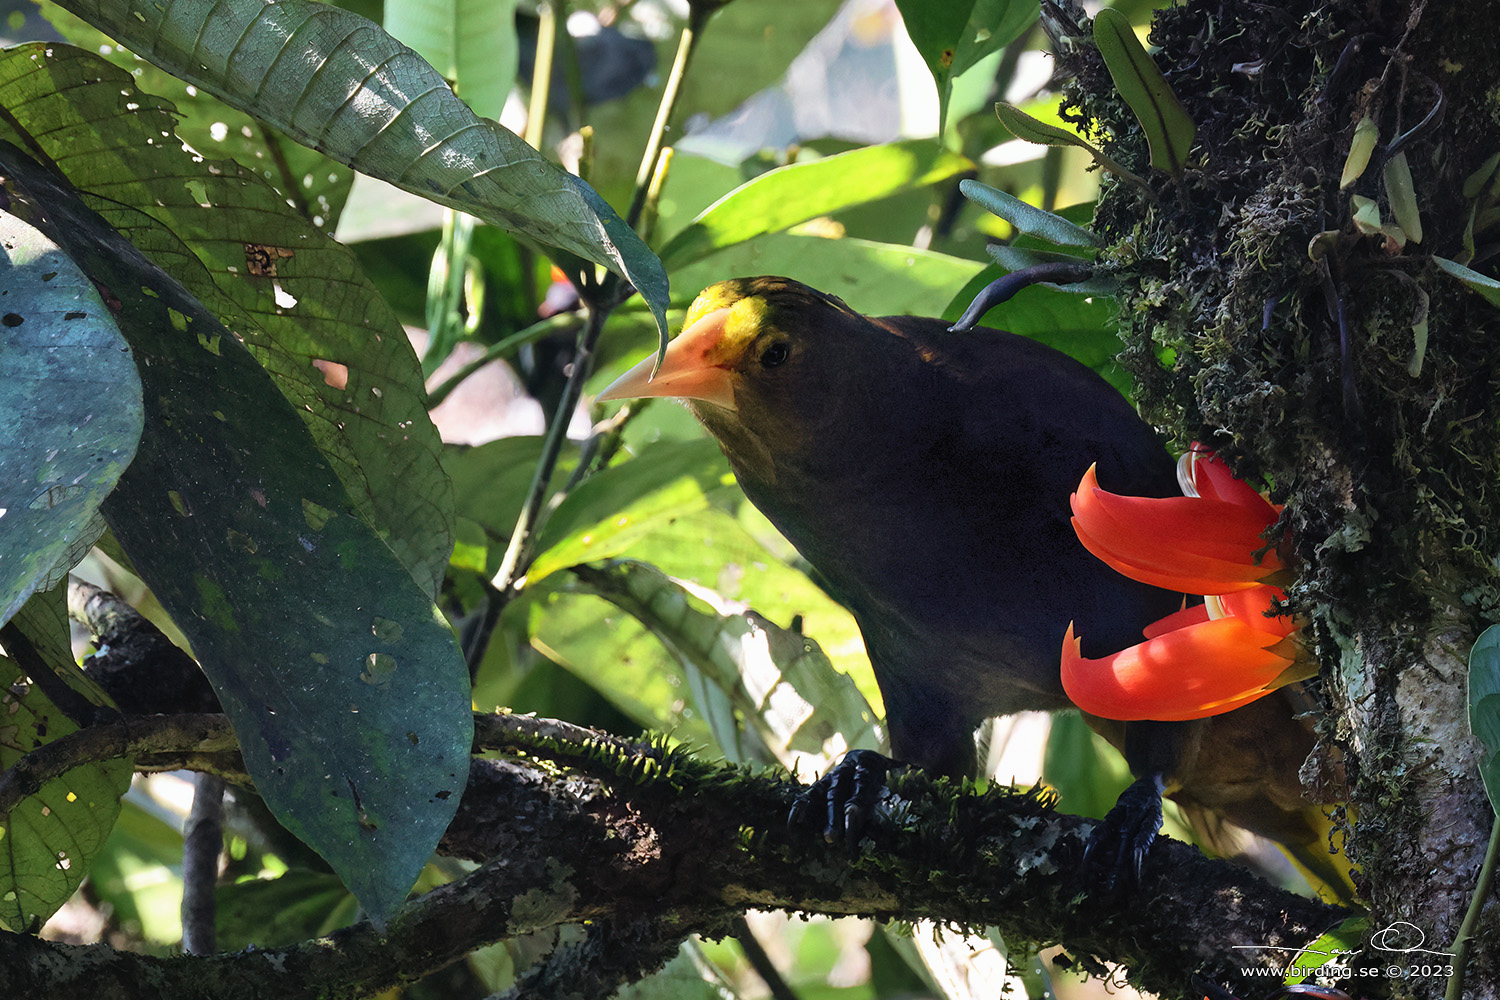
[[1119, 844], [845, 797]]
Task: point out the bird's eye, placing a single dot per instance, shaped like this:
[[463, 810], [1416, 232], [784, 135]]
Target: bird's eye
[[775, 354]]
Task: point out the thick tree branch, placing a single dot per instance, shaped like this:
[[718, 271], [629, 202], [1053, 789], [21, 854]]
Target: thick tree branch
[[634, 837], [648, 845]]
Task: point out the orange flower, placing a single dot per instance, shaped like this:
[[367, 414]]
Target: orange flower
[[1209, 658]]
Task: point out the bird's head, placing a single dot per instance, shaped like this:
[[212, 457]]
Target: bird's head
[[763, 362]]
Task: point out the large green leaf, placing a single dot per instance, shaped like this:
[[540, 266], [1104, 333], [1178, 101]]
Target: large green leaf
[[279, 912], [70, 403], [1484, 708], [747, 47], [616, 655], [49, 839], [953, 35], [335, 81], [1081, 327], [491, 481], [740, 667], [878, 279], [343, 681], [786, 196], [730, 555], [611, 509], [296, 297]]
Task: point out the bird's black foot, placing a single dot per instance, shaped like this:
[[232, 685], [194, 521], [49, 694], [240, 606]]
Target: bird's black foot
[[1117, 848], [843, 801]]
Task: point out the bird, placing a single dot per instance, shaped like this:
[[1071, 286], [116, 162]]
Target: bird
[[925, 475]]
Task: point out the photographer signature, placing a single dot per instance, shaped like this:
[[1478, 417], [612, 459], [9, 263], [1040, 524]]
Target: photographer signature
[[1400, 937]]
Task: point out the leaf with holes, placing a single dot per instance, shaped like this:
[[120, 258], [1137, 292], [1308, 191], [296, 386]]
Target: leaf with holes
[[342, 679], [297, 298], [48, 839]]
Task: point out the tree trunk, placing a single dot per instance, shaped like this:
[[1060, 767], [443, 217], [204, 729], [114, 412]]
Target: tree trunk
[[1357, 379]]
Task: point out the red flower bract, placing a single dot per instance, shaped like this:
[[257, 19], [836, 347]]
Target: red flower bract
[[1206, 659]]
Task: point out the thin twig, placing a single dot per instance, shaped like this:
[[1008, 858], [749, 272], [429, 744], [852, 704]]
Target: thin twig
[[202, 843], [523, 540], [761, 962], [125, 737]]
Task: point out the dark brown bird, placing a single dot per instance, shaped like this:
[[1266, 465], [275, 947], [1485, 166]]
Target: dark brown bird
[[925, 475]]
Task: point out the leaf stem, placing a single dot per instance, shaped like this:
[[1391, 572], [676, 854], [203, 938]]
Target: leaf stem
[[686, 45], [1460, 946], [541, 74], [445, 289], [522, 546]]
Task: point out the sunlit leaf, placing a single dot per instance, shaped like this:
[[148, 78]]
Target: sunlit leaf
[[747, 47], [1085, 770], [741, 666], [786, 196], [1024, 126], [472, 43], [134, 874], [714, 549], [955, 34], [1345, 939], [604, 515], [878, 279]]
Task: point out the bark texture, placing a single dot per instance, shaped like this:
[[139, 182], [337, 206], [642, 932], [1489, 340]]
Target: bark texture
[[1341, 365]]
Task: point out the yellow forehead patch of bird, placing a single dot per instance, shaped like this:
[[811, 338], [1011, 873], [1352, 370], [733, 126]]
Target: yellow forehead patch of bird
[[739, 319]]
